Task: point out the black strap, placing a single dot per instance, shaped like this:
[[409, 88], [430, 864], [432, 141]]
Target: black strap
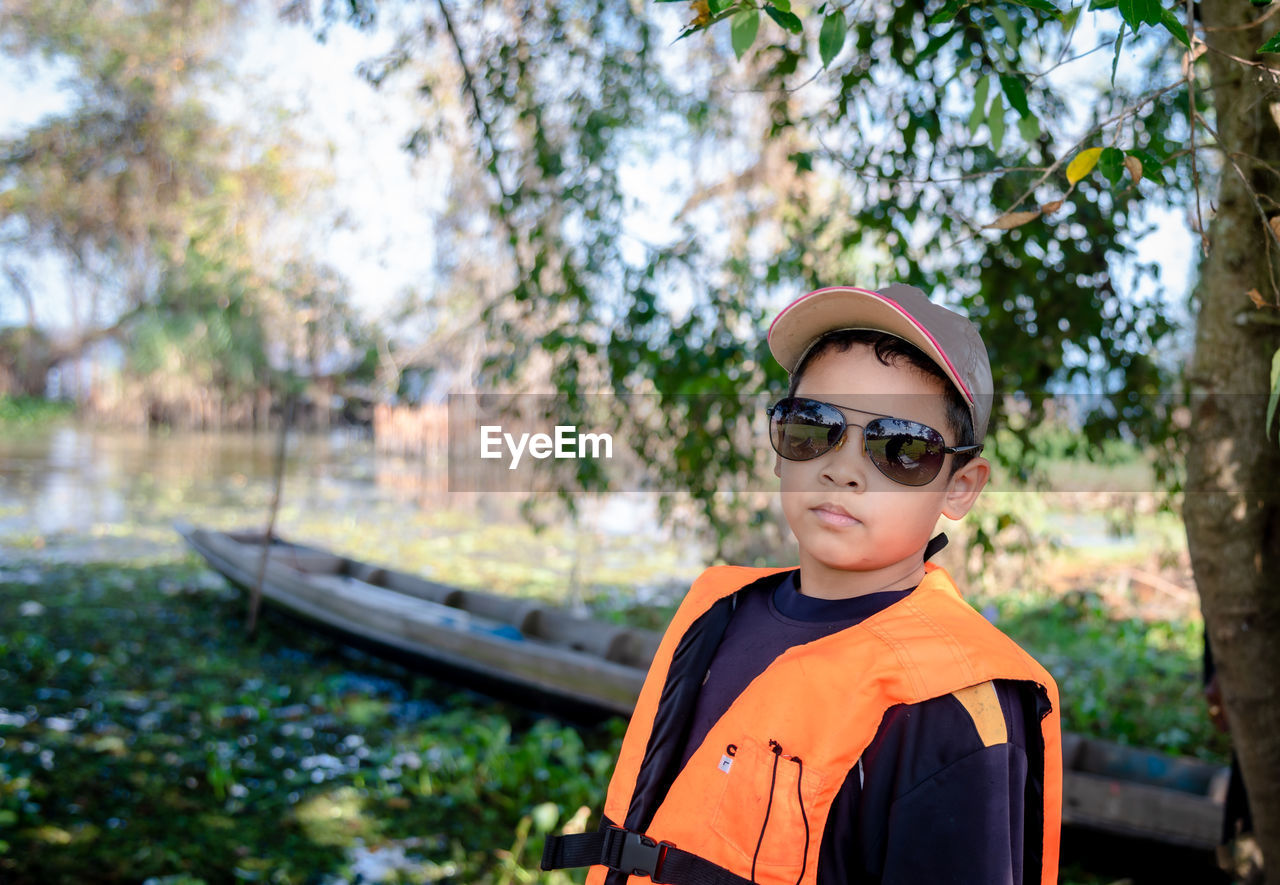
[[634, 854], [670, 729], [935, 545]]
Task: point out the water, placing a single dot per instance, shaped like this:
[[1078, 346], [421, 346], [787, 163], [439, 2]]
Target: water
[[76, 493]]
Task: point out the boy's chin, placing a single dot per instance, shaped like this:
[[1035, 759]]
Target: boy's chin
[[864, 565]]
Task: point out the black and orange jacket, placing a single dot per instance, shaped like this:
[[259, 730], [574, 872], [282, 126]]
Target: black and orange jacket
[[760, 785]]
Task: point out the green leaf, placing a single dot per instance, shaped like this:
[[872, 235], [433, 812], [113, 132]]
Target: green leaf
[[1274, 400], [1016, 93], [715, 7], [742, 31], [1115, 61], [1042, 5], [1174, 26], [1012, 35], [1136, 13], [831, 37], [1029, 127], [788, 21], [1111, 164], [1070, 17], [979, 112], [1129, 13], [1103, 4], [947, 13], [995, 122], [1272, 45]]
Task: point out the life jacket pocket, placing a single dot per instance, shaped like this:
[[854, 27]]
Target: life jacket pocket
[[774, 833]]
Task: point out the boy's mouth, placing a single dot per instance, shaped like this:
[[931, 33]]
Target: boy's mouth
[[834, 514]]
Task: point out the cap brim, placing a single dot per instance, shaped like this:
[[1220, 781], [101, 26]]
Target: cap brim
[[841, 308]]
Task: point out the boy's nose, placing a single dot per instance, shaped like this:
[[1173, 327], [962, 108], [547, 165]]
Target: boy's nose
[[846, 463]]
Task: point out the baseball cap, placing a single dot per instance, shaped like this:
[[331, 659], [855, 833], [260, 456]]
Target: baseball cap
[[946, 337]]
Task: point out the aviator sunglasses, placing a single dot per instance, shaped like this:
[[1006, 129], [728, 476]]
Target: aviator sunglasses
[[907, 452]]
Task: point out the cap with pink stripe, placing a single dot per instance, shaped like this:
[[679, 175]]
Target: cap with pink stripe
[[946, 337]]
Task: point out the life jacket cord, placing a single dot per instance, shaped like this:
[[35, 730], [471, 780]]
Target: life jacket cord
[[804, 860], [773, 779]]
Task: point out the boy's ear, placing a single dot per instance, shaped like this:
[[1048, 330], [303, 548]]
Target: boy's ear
[[964, 487]]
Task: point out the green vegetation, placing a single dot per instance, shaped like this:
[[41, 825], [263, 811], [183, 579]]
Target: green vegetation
[[29, 412], [1121, 678], [144, 736]]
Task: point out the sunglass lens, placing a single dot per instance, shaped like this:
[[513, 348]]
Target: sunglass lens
[[801, 430], [904, 451]]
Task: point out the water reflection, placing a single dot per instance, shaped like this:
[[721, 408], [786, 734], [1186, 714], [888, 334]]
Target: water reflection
[[80, 493]]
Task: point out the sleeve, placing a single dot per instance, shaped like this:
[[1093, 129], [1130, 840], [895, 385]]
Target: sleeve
[[939, 796]]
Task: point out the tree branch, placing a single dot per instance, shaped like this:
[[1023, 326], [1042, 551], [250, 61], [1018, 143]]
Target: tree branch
[[1189, 74], [486, 128]]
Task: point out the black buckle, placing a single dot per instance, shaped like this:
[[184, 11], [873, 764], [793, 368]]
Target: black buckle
[[641, 856]]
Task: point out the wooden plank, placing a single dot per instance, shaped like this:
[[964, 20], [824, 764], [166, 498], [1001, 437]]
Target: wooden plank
[[1152, 812], [567, 674]]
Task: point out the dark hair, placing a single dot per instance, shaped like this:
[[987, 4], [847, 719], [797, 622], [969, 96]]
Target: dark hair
[[892, 351]]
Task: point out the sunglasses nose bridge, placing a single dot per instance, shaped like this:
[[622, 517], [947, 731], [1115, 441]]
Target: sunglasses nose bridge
[[848, 431]]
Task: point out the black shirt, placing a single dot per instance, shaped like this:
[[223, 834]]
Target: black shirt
[[928, 801]]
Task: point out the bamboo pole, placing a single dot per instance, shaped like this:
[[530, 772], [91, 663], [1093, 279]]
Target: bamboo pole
[[255, 595]]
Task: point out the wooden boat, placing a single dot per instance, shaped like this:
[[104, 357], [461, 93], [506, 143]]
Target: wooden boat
[[539, 655], [510, 647]]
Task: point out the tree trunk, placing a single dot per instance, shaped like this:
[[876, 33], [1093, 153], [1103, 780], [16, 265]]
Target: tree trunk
[[1232, 503]]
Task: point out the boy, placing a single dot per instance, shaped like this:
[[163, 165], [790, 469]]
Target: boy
[[852, 720]]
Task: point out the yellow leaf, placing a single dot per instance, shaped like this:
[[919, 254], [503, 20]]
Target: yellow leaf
[[1256, 297], [1083, 164], [1134, 165], [1051, 207], [1275, 226], [1010, 220]]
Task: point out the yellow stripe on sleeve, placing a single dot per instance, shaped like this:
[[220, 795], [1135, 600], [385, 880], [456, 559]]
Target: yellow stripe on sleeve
[[984, 707]]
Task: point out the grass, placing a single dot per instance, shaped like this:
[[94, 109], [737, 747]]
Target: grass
[[31, 413]]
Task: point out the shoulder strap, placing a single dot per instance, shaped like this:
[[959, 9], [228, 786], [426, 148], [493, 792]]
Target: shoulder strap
[[675, 711]]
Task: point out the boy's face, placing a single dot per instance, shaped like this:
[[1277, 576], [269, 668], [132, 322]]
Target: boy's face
[[846, 515]]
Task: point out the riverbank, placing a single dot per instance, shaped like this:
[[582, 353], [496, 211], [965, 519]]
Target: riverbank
[[29, 413]]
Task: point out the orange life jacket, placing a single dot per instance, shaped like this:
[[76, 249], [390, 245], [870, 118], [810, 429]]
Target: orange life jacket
[[799, 728]]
